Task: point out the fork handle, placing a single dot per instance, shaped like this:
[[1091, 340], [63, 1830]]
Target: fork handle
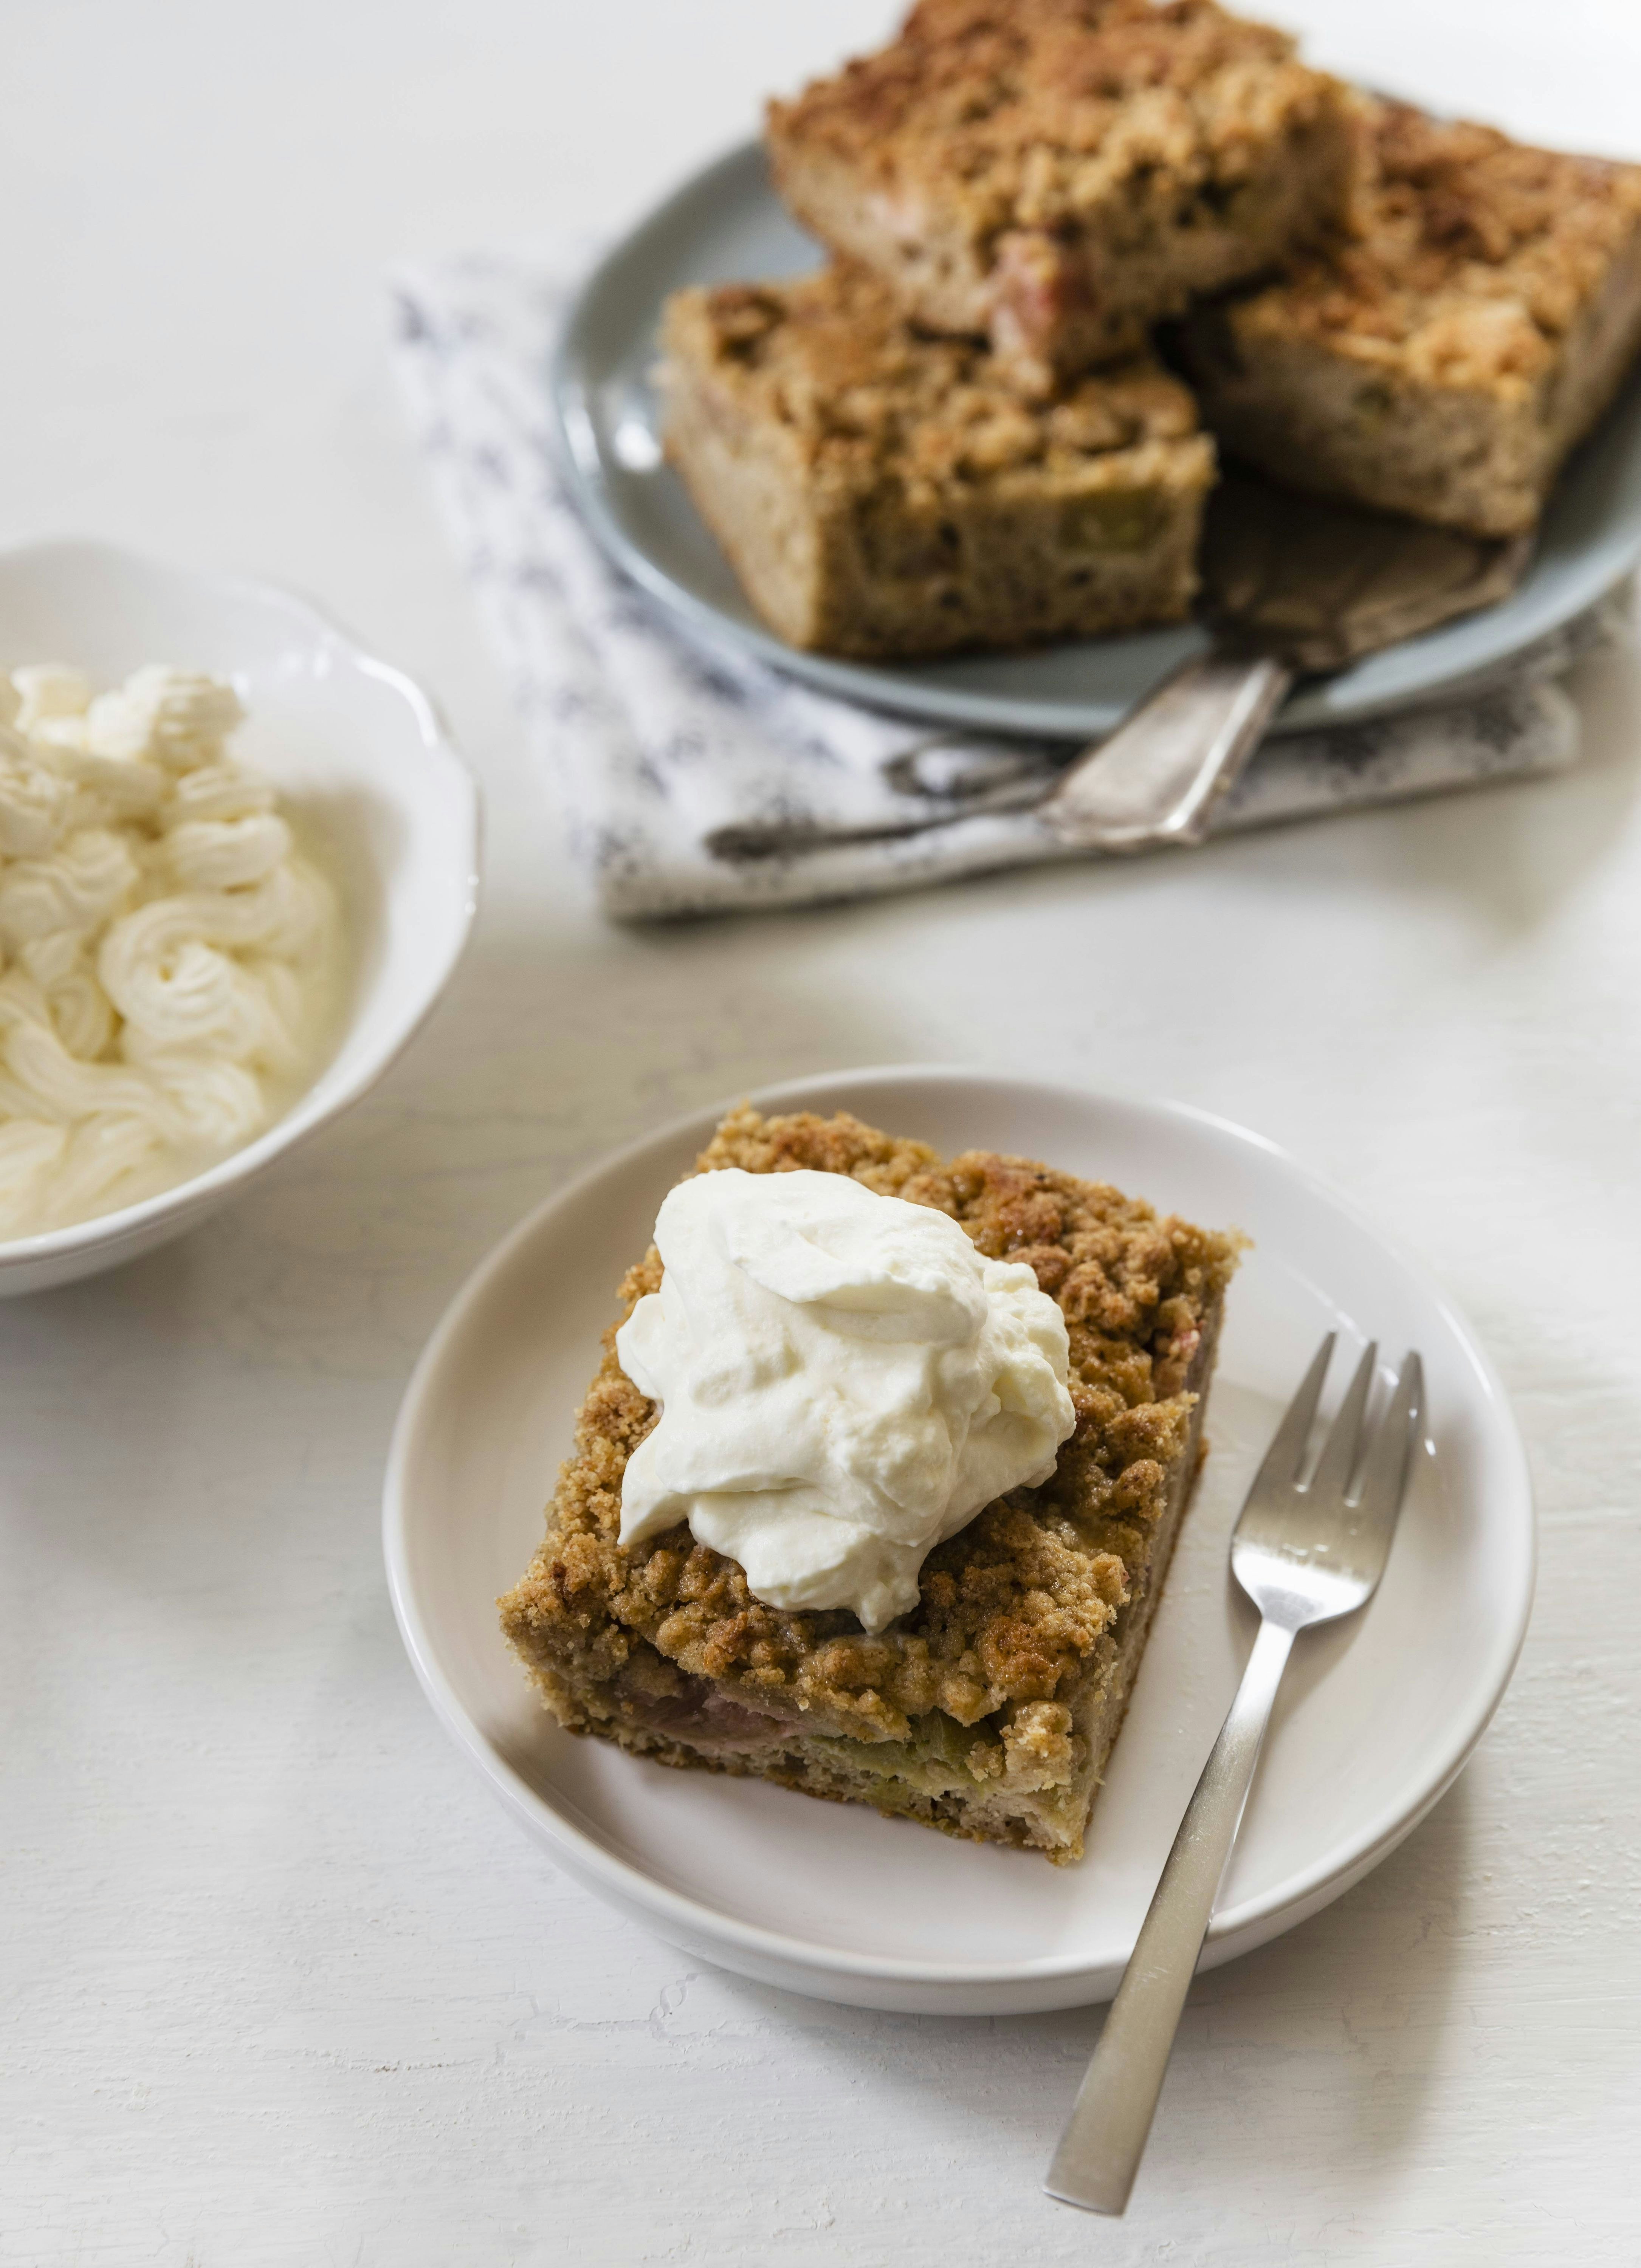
[[1105, 2137]]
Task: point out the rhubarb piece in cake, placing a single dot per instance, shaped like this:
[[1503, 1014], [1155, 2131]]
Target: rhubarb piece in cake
[[988, 1706], [882, 492], [1062, 173], [1450, 347]]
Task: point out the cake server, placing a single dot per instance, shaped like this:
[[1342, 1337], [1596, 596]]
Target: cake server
[[1291, 587], [1305, 1553]]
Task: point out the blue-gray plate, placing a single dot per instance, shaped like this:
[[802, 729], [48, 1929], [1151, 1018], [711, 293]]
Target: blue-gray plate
[[726, 223]]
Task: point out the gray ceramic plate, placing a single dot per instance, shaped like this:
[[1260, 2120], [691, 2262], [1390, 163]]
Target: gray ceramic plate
[[726, 223]]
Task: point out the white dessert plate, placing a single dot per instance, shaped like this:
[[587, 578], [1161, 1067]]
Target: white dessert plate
[[1376, 1718], [359, 753], [726, 223]]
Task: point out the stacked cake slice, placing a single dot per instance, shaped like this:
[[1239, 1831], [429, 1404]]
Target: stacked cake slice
[[957, 435]]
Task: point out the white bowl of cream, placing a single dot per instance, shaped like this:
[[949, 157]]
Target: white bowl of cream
[[379, 812]]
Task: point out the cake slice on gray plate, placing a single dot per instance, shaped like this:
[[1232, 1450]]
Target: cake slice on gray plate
[[1058, 175], [882, 493], [1442, 354]]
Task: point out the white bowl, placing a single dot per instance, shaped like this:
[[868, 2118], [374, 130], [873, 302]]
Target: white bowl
[[361, 755], [1375, 1719]]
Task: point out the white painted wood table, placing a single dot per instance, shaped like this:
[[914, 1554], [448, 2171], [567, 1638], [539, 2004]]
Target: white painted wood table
[[280, 1983]]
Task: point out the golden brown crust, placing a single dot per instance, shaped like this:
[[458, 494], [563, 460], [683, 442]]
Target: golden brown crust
[[1032, 114], [1468, 258], [1012, 1607], [867, 400]]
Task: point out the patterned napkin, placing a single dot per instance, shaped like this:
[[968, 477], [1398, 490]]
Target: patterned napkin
[[662, 750]]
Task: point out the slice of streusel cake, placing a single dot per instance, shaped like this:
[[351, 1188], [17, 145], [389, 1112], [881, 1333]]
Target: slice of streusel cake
[[883, 493], [1443, 352], [990, 1710], [1059, 175]]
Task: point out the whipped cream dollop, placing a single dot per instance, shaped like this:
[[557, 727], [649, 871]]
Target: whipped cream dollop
[[843, 1381], [169, 961]]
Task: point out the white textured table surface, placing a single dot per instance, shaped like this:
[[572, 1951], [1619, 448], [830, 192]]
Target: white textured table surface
[[280, 1983]]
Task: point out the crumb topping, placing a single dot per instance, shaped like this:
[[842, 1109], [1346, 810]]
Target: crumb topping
[[1032, 114], [1467, 258], [866, 396], [1012, 1605]]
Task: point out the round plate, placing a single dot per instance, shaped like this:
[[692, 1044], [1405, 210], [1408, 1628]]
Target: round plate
[[1377, 1715], [726, 223]]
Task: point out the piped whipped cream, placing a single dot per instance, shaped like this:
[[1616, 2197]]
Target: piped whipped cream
[[168, 959], [843, 1381]]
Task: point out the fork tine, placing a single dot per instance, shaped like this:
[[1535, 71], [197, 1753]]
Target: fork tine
[[1281, 1467], [1337, 1461], [1384, 1475]]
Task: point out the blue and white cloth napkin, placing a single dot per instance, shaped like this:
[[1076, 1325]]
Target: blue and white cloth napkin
[[659, 749]]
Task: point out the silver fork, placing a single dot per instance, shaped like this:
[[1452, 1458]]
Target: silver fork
[[1305, 1553]]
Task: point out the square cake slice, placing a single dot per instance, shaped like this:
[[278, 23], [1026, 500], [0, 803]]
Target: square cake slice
[[880, 492], [1445, 352], [1060, 174], [990, 1710]]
